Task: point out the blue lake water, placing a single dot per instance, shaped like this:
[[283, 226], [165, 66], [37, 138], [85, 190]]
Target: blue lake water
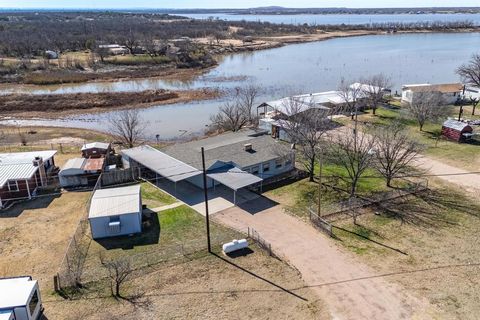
[[332, 19], [292, 69]]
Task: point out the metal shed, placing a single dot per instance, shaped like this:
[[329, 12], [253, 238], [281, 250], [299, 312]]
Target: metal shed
[[115, 212], [456, 130]]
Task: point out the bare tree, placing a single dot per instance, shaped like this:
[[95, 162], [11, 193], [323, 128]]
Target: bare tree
[[470, 72], [119, 271], [355, 154], [474, 102], [127, 126], [374, 89], [236, 114], [102, 53], [395, 151], [305, 128], [427, 106], [350, 96]]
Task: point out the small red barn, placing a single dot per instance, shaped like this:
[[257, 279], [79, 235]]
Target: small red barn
[[456, 130]]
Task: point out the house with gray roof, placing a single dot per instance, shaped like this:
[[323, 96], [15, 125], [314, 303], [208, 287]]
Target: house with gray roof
[[235, 159]]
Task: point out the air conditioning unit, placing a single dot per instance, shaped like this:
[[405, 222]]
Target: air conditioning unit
[[248, 147], [114, 227]]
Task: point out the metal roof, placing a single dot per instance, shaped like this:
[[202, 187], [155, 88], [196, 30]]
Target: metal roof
[[233, 177], [115, 202], [426, 87], [162, 163], [94, 164], [456, 125], [19, 165], [15, 292], [97, 145]]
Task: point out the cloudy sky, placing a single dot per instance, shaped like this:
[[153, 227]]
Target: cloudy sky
[[230, 3]]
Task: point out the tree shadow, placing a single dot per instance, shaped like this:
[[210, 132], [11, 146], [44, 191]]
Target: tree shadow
[[150, 235], [429, 208]]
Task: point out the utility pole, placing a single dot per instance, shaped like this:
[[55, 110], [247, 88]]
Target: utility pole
[[319, 209], [207, 218]]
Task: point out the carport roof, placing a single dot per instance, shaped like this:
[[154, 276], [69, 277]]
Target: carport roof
[[161, 163], [233, 177]]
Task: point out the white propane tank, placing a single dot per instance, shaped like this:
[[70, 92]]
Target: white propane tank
[[235, 245]]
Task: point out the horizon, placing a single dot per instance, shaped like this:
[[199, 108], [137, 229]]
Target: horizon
[[220, 5]]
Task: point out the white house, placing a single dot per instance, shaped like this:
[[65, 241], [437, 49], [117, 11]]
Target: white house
[[450, 92], [20, 299], [115, 212]]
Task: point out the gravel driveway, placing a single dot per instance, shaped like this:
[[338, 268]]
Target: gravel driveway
[[350, 289]]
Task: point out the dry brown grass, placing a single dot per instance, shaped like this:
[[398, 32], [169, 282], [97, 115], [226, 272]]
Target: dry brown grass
[[203, 288], [439, 235], [35, 235], [53, 106]]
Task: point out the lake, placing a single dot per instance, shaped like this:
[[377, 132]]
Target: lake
[[334, 19], [292, 69]]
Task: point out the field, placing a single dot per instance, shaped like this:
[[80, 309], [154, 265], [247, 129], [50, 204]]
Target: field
[[172, 272], [35, 235], [206, 287], [428, 244], [462, 155]]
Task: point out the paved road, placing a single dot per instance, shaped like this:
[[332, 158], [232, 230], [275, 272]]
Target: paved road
[[350, 288]]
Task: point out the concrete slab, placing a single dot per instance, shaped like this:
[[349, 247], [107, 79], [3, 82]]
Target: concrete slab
[[219, 199]]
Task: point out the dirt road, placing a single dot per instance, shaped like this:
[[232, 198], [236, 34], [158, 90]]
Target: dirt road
[[468, 181], [351, 289]]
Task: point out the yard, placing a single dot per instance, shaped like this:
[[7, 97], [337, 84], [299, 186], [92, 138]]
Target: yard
[[428, 244], [175, 277], [35, 234], [462, 155], [255, 286], [298, 196]]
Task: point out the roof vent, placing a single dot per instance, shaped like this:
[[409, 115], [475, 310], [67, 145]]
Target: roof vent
[[248, 147]]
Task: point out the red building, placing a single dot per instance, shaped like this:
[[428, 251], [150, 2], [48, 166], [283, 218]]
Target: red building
[[456, 130], [22, 173]]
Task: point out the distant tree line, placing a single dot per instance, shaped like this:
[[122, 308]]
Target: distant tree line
[[27, 34]]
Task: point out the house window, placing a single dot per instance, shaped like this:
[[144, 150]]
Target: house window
[[13, 185], [32, 305], [255, 170], [288, 162], [266, 167], [278, 163]]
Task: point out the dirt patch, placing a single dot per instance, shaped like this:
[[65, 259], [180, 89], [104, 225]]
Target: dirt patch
[[438, 234], [53, 106], [35, 235], [255, 286]]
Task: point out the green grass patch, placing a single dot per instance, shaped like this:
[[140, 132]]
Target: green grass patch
[[154, 197]]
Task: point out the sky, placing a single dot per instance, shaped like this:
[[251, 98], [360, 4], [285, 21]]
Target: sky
[[181, 4]]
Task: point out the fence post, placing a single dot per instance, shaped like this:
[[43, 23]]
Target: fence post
[[56, 283]]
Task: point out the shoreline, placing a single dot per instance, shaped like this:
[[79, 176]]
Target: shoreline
[[226, 47], [64, 105]]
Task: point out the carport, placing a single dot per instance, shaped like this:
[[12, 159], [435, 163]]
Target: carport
[[233, 178], [174, 170], [160, 164]]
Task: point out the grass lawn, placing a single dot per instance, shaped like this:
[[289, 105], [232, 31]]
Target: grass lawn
[[433, 237], [154, 197], [298, 196], [463, 155], [167, 235]]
